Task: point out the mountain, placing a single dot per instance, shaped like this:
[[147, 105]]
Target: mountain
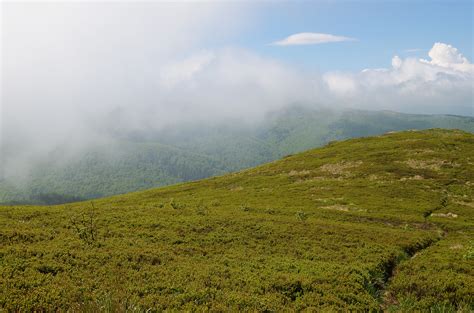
[[368, 224], [146, 159]]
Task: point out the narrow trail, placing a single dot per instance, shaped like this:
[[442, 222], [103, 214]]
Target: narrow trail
[[391, 267], [387, 298]]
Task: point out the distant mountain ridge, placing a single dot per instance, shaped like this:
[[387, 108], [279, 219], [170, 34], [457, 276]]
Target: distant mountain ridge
[[146, 159]]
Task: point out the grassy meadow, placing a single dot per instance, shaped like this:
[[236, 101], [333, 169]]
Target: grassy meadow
[[380, 223]]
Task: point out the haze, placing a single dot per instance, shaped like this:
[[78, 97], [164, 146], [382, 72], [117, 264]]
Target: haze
[[78, 73]]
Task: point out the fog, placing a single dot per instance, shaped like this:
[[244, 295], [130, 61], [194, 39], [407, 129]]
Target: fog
[[79, 73]]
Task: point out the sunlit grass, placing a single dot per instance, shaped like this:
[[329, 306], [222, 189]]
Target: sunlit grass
[[347, 226]]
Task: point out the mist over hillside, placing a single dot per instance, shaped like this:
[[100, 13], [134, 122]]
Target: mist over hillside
[[148, 158], [175, 73]]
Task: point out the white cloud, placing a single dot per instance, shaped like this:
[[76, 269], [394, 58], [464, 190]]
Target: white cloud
[[442, 84], [396, 62], [310, 39], [229, 83], [447, 56], [179, 71], [236, 83]]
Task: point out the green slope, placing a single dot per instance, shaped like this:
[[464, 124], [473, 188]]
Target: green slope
[[375, 223], [189, 152]]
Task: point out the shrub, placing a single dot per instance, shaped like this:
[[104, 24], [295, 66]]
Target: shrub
[[201, 208], [245, 207], [176, 205], [301, 216], [470, 252], [85, 225]]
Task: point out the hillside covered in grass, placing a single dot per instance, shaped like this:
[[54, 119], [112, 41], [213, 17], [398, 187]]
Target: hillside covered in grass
[[379, 223], [141, 160]]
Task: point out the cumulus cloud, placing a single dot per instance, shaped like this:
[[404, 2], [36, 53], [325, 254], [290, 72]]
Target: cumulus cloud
[[310, 39], [447, 56], [442, 84]]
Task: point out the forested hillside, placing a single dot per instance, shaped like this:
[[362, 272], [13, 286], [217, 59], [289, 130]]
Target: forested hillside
[[151, 158]]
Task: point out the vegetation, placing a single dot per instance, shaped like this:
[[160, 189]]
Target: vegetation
[[379, 223], [184, 153]]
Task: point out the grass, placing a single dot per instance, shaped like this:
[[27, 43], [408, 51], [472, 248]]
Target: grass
[[350, 226]]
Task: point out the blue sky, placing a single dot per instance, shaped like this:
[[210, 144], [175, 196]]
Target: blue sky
[[382, 29]]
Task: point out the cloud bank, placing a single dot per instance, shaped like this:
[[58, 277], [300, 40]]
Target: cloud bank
[[80, 73], [310, 39]]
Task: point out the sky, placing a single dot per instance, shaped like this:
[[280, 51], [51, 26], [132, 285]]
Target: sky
[[382, 29], [74, 71]]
